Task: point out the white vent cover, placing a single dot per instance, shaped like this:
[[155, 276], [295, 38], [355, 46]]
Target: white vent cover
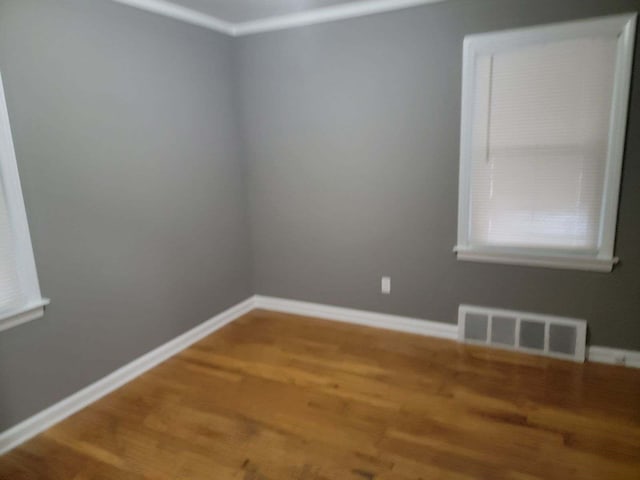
[[528, 332]]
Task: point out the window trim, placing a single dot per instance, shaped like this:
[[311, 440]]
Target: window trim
[[34, 303], [495, 42]]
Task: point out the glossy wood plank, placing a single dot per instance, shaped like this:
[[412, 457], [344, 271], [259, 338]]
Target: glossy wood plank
[[276, 396]]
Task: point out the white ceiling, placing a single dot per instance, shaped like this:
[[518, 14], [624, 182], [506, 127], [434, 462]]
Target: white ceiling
[[240, 11], [244, 17]]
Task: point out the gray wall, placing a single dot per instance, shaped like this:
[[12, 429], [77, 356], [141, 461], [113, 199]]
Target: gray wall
[[351, 129], [134, 174], [126, 141]]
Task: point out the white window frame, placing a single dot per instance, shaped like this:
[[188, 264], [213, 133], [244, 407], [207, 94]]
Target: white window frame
[[497, 42], [33, 304]]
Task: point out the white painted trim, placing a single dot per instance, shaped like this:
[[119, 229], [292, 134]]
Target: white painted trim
[[419, 327], [359, 317], [72, 404], [280, 22], [617, 132], [614, 356], [47, 418], [28, 284], [621, 26], [573, 262], [184, 14], [24, 314], [327, 14]]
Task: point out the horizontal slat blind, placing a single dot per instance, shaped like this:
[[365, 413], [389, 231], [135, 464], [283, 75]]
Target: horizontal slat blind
[[10, 292], [540, 139]]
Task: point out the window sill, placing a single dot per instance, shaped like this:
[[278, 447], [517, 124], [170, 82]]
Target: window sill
[[567, 262], [24, 314]]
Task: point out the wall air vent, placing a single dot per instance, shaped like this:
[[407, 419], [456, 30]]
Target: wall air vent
[[522, 331]]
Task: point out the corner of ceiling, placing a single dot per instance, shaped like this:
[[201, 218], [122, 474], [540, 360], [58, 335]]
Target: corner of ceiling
[[319, 15]]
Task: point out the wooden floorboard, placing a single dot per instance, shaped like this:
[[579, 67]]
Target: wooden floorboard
[[275, 396]]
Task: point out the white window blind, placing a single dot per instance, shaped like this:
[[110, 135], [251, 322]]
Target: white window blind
[[544, 115], [10, 291], [20, 299], [540, 146]]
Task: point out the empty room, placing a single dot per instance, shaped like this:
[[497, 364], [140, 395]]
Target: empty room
[[319, 240]]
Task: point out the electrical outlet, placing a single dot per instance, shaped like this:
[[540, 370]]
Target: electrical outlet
[[385, 285]]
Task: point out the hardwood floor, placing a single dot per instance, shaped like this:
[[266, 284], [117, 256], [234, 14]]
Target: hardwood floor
[[276, 396]]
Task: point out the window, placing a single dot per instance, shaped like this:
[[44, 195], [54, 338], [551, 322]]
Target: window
[[20, 298], [543, 124]]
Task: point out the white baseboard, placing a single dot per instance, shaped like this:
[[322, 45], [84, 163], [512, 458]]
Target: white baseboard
[[70, 405], [359, 317], [614, 356]]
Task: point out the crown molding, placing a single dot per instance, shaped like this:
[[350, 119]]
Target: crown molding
[[280, 22], [326, 14], [184, 14]]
